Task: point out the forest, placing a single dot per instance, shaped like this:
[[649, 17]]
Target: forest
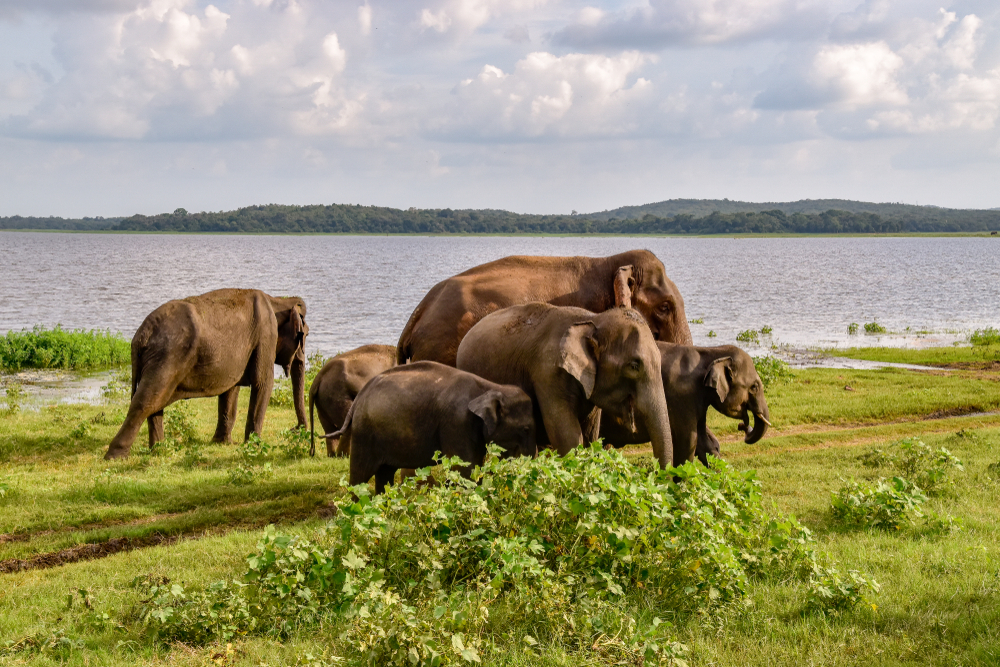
[[672, 217]]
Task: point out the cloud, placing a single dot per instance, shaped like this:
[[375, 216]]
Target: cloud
[[463, 17], [664, 23]]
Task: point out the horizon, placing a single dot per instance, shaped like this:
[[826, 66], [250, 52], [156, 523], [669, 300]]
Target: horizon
[[114, 107]]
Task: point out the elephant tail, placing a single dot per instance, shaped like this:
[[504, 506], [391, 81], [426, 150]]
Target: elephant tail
[[404, 351], [312, 425]]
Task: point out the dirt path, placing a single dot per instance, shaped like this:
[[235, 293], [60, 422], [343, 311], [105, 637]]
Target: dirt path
[[84, 552]]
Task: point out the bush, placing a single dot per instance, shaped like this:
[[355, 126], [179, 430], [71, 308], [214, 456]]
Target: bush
[[251, 466], [773, 371], [886, 505], [987, 336], [565, 548], [929, 469], [872, 328], [58, 348], [295, 443], [748, 336]]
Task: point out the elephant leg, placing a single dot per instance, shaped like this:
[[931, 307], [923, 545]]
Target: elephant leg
[[155, 424], [383, 476], [260, 394], [332, 444], [151, 396], [228, 402], [562, 426]]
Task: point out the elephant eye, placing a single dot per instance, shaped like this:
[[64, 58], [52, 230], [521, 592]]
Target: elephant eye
[[635, 365]]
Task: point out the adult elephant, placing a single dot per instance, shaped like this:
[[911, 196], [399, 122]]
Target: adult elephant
[[338, 383], [694, 379], [573, 363], [211, 345], [451, 308]]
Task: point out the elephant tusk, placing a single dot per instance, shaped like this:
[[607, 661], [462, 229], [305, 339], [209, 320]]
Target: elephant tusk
[[763, 419]]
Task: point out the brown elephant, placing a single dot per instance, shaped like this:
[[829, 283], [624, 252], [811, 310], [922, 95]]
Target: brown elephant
[[572, 363], [336, 386], [695, 378], [438, 324], [211, 345], [404, 415]]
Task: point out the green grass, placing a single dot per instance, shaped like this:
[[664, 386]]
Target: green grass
[[931, 356], [58, 348], [939, 602]]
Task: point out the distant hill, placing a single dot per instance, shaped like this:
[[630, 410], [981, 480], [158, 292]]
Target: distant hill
[[676, 216]]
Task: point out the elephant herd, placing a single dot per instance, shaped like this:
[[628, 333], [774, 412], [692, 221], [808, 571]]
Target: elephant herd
[[522, 352]]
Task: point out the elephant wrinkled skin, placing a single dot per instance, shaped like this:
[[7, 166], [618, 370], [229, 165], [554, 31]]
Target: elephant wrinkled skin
[[338, 383], [695, 378], [453, 306], [404, 415], [572, 363], [211, 345]]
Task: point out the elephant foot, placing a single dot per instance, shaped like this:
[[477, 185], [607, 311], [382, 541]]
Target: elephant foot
[[116, 453]]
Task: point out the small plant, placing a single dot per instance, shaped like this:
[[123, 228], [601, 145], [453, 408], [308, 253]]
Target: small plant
[[13, 395], [930, 469], [314, 362], [54, 643], [711, 334], [281, 394], [251, 467], [772, 371], [243, 474], [831, 593], [295, 443], [886, 505], [119, 387], [82, 430], [255, 449], [179, 434], [749, 336], [983, 337], [852, 329], [697, 320], [872, 328], [766, 330]]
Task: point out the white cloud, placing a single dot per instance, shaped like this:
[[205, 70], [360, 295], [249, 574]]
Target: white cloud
[[859, 74], [365, 19]]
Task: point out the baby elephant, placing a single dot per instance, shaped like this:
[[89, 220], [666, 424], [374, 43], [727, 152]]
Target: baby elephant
[[338, 383], [695, 378], [402, 416]]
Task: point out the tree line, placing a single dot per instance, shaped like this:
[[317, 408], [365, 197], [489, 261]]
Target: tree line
[[357, 219]]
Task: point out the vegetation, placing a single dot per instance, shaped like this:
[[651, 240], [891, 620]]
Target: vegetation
[[985, 337], [794, 582], [58, 348], [956, 356], [873, 328], [772, 371], [673, 217]]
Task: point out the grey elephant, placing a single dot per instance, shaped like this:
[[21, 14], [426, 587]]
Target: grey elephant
[[572, 363], [441, 319], [695, 378], [404, 415], [338, 383], [211, 345]]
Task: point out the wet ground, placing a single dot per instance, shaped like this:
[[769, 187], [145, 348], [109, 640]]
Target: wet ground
[[54, 387]]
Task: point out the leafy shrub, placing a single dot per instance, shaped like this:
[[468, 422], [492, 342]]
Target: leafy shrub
[[180, 434], [82, 430], [829, 592], [53, 642], [930, 469], [314, 363], [748, 336], [568, 546], [711, 334], [13, 395], [251, 467], [58, 348], [872, 328], [885, 505], [294, 443], [772, 371], [987, 336], [852, 329], [766, 330]]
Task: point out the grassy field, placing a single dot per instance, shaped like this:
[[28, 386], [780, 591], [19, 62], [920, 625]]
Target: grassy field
[[193, 511]]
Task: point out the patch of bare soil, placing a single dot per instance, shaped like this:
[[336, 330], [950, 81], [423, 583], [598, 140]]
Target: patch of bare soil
[[84, 552], [991, 366]]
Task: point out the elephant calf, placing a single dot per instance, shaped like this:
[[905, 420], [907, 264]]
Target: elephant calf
[[404, 415], [695, 378], [337, 385]]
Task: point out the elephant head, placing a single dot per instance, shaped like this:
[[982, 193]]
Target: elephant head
[[654, 296], [508, 420], [290, 352], [614, 357], [735, 390]]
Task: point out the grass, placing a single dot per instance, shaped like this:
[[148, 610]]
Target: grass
[[58, 348], [931, 356], [939, 602]]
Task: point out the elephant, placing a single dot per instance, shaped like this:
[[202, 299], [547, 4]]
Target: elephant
[[695, 378], [573, 363], [337, 384], [407, 413], [451, 308], [211, 345]]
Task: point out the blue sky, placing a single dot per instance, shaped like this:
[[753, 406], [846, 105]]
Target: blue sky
[[114, 107]]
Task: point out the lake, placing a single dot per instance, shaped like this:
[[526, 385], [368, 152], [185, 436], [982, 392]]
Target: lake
[[361, 289]]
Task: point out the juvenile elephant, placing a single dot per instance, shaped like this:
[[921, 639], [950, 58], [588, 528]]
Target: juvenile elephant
[[438, 324], [337, 384], [211, 345], [402, 416], [695, 378], [573, 362]]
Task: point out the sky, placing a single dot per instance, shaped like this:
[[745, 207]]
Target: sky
[[116, 107]]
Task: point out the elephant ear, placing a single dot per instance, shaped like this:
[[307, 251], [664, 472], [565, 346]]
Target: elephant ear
[[297, 326], [486, 406], [717, 376], [579, 354], [623, 286]]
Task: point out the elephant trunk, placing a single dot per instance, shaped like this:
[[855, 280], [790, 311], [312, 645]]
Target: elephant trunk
[[299, 386], [761, 415], [652, 407]]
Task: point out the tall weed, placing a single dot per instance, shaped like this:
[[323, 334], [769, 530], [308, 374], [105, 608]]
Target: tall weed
[[58, 348]]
